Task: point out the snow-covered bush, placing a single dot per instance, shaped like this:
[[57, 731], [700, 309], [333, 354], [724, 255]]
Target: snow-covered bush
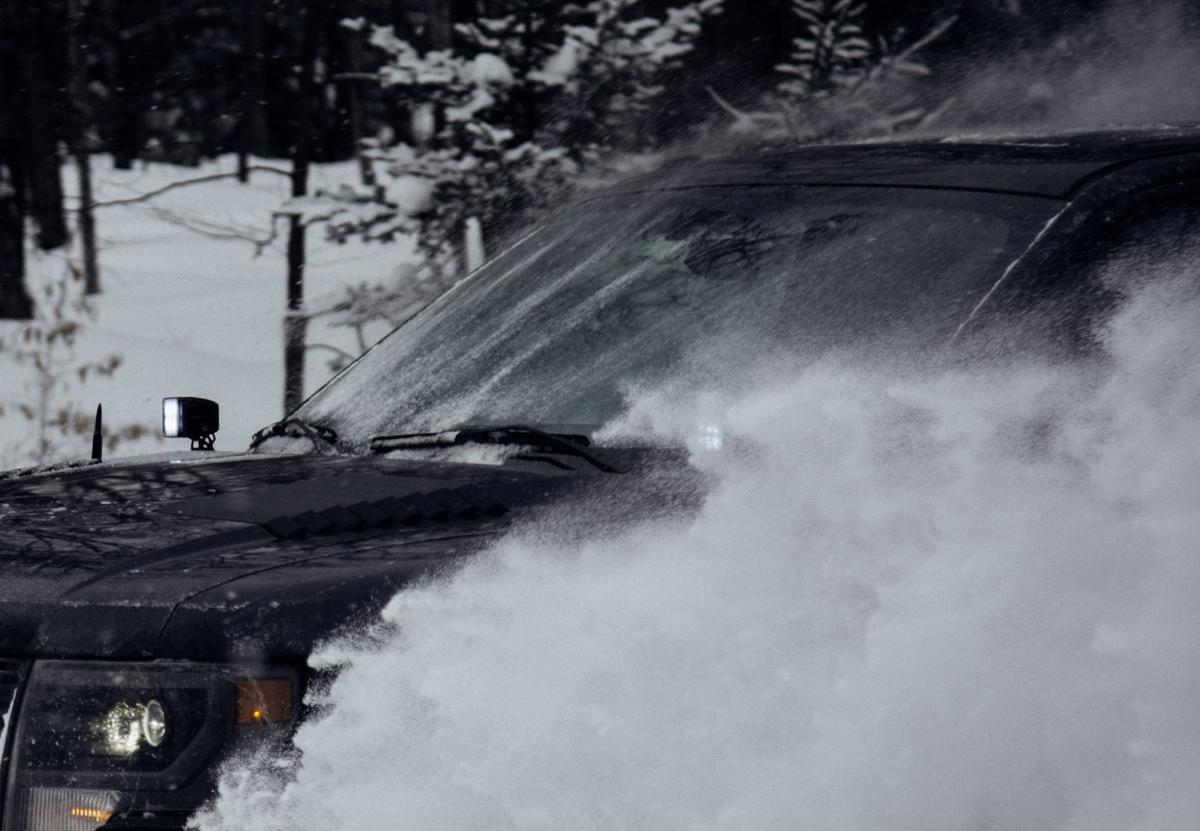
[[831, 53], [504, 124], [589, 72], [46, 345], [840, 83]]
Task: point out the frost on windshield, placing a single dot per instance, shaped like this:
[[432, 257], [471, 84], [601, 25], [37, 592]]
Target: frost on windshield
[[623, 292]]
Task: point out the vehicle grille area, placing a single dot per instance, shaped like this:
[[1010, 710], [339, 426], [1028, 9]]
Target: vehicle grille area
[[11, 673], [10, 679]]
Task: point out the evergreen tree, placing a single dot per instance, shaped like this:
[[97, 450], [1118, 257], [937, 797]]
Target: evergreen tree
[[831, 53]]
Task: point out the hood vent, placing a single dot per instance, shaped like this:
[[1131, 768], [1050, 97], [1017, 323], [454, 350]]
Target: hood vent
[[343, 504]]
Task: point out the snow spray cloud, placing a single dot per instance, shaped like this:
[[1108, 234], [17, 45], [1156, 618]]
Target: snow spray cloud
[[1129, 62], [953, 601], [1124, 63]]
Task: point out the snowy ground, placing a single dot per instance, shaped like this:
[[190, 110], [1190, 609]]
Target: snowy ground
[[189, 306]]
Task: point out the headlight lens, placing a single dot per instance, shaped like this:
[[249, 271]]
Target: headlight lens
[[128, 727], [93, 741], [116, 721]]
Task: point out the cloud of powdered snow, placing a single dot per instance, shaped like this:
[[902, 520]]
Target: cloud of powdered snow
[[926, 602], [1127, 63]]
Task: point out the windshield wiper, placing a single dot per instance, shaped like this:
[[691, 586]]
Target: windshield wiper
[[298, 428], [569, 445]]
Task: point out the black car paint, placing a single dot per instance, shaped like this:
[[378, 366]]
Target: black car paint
[[122, 561], [1055, 167], [181, 559]]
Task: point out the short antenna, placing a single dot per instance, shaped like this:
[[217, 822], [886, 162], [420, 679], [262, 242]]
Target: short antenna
[[98, 435]]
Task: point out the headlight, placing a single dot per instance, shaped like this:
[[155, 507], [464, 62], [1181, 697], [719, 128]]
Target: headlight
[[96, 741], [127, 728]]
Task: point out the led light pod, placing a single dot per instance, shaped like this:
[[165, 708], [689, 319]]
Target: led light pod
[[197, 419], [172, 418]]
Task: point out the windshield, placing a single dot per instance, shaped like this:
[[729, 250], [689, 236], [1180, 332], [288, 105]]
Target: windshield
[[630, 290]]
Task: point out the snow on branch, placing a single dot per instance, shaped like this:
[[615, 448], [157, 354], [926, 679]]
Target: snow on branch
[[504, 124], [838, 83]]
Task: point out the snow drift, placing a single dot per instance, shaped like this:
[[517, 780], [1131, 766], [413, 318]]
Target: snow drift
[[952, 600]]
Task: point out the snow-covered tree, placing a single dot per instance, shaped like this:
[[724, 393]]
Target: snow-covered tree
[[471, 159], [839, 82], [831, 53], [503, 125], [587, 72]]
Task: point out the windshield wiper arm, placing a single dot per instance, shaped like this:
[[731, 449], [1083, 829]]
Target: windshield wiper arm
[[568, 445], [298, 428]]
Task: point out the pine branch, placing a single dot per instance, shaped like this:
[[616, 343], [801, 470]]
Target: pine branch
[[742, 120], [160, 19], [933, 34]]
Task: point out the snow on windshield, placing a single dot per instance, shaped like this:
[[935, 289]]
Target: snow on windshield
[[623, 293]]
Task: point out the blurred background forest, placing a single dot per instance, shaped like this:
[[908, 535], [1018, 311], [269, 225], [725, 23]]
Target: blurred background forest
[[176, 173]]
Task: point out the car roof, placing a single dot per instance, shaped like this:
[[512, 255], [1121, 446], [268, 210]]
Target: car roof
[[1052, 166]]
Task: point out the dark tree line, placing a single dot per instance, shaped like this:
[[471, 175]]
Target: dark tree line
[[180, 81], [175, 81]]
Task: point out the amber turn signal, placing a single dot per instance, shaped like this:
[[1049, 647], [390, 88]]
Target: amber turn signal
[[99, 816], [265, 701]]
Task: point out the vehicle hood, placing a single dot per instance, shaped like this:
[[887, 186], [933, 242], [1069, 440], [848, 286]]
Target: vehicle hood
[[210, 560]]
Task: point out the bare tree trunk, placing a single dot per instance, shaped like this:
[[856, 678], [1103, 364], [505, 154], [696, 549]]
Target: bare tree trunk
[[125, 110], [252, 127], [44, 177], [295, 320], [87, 223], [474, 249], [440, 28], [15, 303], [525, 98], [366, 171], [46, 199], [81, 121]]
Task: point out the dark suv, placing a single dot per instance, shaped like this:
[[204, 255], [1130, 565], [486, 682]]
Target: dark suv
[[156, 614]]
